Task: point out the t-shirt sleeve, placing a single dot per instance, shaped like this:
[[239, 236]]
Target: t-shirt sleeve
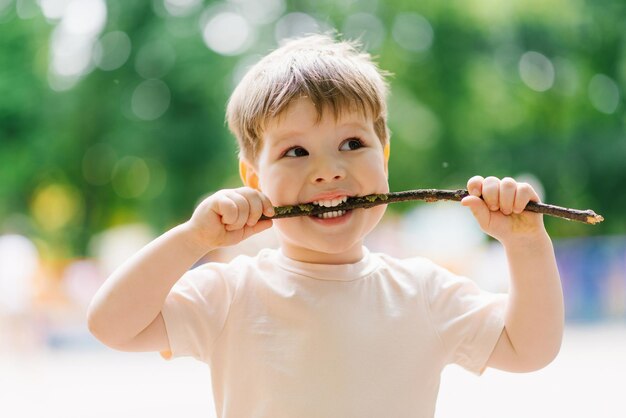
[[195, 311], [467, 319]]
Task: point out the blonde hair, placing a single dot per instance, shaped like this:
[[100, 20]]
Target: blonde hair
[[334, 75]]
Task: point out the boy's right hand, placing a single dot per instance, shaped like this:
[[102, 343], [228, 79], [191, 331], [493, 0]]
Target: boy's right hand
[[229, 216]]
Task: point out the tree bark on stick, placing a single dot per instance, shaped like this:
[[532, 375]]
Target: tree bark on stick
[[429, 195]]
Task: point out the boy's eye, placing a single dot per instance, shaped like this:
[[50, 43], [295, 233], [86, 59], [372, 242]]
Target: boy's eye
[[296, 152], [351, 144]]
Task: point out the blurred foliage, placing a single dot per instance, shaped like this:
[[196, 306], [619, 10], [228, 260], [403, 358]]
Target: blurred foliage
[[479, 87]]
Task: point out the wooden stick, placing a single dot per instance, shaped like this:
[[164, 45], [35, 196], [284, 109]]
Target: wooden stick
[[429, 195]]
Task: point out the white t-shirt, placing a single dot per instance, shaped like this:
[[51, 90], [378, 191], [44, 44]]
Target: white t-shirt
[[290, 339]]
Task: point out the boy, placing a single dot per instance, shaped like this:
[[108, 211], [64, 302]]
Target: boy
[[322, 327]]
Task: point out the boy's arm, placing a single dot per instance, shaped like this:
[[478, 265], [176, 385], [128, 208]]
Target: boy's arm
[[534, 316], [125, 313]]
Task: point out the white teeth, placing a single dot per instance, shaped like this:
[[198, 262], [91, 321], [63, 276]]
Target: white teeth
[[333, 214], [331, 203]]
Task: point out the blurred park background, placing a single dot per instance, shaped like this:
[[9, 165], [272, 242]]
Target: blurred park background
[[112, 129]]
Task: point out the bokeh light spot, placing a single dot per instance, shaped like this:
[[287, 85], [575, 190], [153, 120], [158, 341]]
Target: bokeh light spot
[[26, 9], [365, 27], [150, 99], [53, 9], [55, 205], [412, 32], [5, 8], [536, 71], [72, 41], [71, 54], [116, 245], [604, 94], [112, 51], [181, 7], [155, 59], [157, 179], [81, 279], [62, 83], [131, 177], [227, 33], [261, 12], [295, 24], [84, 17], [19, 260]]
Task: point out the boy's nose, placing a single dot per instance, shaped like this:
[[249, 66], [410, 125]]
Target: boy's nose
[[328, 171], [325, 179]]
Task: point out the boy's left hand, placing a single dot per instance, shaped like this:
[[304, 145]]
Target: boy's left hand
[[500, 213]]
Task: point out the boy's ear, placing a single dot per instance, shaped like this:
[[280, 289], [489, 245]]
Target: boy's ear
[[248, 175]]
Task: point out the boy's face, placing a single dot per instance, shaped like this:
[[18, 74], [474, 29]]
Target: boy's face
[[302, 160]]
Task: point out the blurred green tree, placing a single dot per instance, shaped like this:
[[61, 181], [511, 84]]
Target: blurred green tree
[[112, 112]]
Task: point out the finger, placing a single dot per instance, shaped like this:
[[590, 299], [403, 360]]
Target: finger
[[508, 188], [479, 209], [491, 193], [475, 185], [256, 209], [525, 193], [266, 204], [257, 201], [268, 208], [243, 208], [227, 209]]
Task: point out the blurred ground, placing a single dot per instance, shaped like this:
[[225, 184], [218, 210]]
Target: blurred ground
[[584, 381]]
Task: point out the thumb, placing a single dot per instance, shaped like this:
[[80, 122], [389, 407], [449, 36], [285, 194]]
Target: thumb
[[479, 209]]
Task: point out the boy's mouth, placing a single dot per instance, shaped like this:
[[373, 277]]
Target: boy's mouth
[[331, 203]]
